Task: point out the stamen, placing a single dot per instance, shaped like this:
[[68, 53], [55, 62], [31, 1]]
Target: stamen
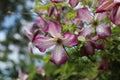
[[95, 23], [59, 41]]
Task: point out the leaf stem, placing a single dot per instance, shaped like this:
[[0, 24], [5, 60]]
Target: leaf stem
[[66, 52]]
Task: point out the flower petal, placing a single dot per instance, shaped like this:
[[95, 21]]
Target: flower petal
[[86, 31], [41, 23], [30, 47], [25, 76], [73, 3], [103, 31], [78, 23], [116, 1], [28, 33], [106, 6], [87, 49], [42, 43], [84, 15], [54, 29], [33, 27], [98, 45], [58, 55], [69, 39], [115, 15], [94, 38], [51, 10], [100, 16]]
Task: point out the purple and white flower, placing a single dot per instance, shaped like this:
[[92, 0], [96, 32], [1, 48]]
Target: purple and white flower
[[103, 30], [58, 55]]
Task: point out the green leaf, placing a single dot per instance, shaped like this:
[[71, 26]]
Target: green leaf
[[39, 7], [71, 14], [33, 71]]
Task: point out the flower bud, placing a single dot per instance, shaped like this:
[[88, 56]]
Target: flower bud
[[87, 49]]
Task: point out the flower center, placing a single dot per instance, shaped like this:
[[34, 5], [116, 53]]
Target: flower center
[[95, 23], [59, 41]]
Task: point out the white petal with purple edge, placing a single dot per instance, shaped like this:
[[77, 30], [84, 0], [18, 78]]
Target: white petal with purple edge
[[28, 33], [58, 55], [100, 16], [106, 5], [115, 15], [118, 16], [116, 1], [69, 39], [42, 43], [30, 47], [103, 31], [86, 31], [25, 77], [54, 29], [41, 23], [84, 15]]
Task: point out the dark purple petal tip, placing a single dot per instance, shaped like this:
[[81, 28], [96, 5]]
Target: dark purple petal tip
[[60, 62], [58, 56], [51, 11]]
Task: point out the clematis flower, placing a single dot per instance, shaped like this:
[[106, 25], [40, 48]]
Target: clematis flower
[[58, 55], [89, 48], [73, 3], [36, 28], [103, 30], [114, 7], [22, 76]]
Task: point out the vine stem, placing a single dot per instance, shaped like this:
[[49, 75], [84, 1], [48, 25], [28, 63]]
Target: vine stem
[[66, 52], [24, 13], [75, 49]]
